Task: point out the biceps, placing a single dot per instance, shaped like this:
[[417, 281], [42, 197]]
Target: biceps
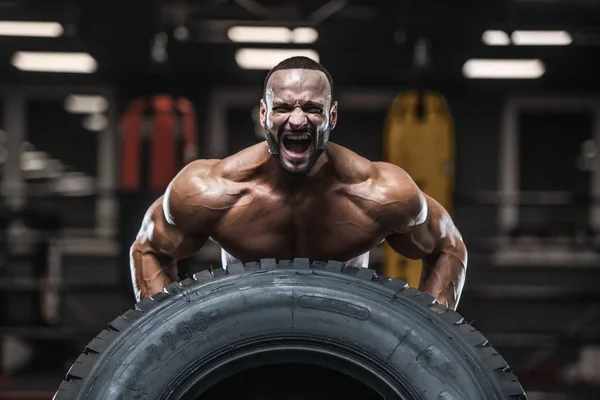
[[434, 235], [415, 244], [159, 236]]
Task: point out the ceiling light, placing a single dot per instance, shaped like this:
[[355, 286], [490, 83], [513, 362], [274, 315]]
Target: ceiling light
[[54, 62], [268, 58], [495, 38], [503, 69], [305, 35], [259, 34], [30, 28], [85, 104], [541, 38], [271, 34]]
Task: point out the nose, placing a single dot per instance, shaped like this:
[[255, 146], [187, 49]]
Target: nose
[[297, 118]]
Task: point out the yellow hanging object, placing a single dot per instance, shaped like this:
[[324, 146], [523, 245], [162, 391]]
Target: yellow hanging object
[[424, 147]]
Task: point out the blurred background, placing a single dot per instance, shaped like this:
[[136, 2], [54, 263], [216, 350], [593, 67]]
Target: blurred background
[[493, 107]]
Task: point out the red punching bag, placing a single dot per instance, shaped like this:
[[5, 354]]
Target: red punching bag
[[158, 137]]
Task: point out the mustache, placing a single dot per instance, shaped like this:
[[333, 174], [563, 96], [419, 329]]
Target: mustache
[[297, 131]]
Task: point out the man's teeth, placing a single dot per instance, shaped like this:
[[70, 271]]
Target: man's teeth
[[299, 137]]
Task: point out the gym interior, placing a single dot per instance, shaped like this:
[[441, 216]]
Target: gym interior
[[492, 107]]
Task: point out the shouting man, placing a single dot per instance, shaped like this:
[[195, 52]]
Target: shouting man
[[298, 195]]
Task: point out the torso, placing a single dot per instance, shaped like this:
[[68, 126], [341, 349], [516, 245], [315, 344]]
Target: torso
[[329, 219]]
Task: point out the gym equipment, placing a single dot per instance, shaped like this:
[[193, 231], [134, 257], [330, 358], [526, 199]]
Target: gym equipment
[[287, 329], [419, 137], [160, 130]]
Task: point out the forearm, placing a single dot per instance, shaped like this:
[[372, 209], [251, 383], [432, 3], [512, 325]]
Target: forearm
[[150, 272], [443, 277]]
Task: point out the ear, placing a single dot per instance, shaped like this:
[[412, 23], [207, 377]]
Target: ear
[[263, 113], [333, 115]]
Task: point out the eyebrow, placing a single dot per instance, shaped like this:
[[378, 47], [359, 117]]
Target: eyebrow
[[314, 104], [279, 103]]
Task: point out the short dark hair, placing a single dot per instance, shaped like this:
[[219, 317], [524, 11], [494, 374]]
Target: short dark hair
[[299, 62]]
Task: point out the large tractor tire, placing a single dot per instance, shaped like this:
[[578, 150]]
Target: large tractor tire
[[290, 330]]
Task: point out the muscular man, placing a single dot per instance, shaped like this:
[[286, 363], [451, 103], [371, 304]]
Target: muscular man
[[298, 195]]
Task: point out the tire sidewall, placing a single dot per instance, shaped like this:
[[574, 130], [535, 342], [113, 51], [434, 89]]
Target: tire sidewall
[[190, 329]]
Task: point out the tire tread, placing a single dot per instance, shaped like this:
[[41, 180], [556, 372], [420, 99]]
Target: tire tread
[[74, 378]]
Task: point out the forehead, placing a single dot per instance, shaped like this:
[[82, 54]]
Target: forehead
[[298, 82]]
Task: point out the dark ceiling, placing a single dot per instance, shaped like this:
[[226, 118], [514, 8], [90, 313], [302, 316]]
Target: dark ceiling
[[362, 42]]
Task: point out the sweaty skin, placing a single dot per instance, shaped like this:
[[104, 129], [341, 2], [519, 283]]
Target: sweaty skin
[[265, 203]]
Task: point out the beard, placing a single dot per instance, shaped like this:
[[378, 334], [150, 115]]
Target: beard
[[320, 139]]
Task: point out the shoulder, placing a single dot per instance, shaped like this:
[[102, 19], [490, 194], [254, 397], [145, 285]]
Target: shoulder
[[217, 181], [403, 203], [390, 174], [197, 193], [381, 182], [200, 176], [243, 165], [350, 167], [192, 180], [388, 191]]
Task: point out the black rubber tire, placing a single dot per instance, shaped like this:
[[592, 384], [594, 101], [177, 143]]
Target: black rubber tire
[[292, 309]]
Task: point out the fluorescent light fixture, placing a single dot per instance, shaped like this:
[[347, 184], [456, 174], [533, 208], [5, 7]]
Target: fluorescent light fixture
[[305, 35], [54, 62], [259, 34], [503, 69], [268, 58], [271, 34], [495, 38], [541, 38], [85, 104], [31, 28]]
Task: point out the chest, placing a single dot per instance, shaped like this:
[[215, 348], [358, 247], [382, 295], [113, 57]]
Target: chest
[[327, 224]]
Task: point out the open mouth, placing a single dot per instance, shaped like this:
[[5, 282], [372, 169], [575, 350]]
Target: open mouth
[[297, 144]]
